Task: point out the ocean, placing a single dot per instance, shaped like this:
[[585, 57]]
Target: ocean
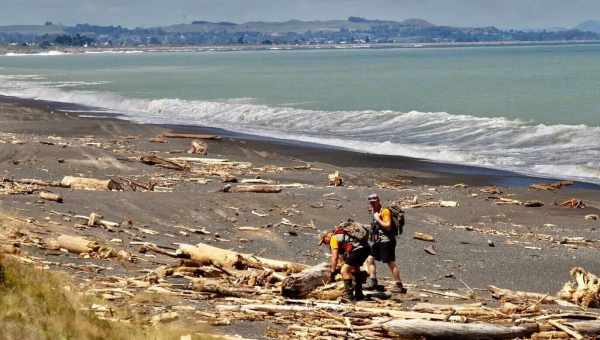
[[529, 109]]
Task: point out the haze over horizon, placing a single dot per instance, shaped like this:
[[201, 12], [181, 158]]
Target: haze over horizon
[[145, 13]]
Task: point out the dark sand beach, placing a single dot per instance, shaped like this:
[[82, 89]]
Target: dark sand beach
[[47, 141]]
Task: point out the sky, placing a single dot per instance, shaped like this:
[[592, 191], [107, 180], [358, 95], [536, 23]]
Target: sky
[[146, 13]]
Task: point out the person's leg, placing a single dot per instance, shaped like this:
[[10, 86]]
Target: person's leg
[[389, 258], [399, 286], [346, 272], [395, 271], [359, 276], [372, 268]]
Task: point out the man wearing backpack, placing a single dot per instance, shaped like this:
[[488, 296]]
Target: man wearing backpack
[[349, 241], [383, 235]]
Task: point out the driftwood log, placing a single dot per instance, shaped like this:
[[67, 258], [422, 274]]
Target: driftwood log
[[214, 287], [335, 179], [28, 181], [550, 186], [585, 327], [83, 183], [97, 220], [550, 335], [77, 244], [8, 249], [189, 136], [519, 296], [470, 310], [583, 289], [312, 306], [48, 196], [301, 284], [419, 329], [165, 163], [198, 147], [206, 254], [266, 189], [423, 237]]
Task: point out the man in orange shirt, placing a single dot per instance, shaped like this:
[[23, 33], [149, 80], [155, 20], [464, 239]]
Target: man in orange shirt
[[383, 248]]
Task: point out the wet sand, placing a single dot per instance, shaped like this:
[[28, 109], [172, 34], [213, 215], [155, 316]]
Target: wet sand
[[527, 252]]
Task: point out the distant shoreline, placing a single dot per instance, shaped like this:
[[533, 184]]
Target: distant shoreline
[[19, 50]]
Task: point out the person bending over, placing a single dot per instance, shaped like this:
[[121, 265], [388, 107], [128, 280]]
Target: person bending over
[[349, 248]]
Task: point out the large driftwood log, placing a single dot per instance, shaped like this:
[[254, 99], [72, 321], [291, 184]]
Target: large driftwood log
[[301, 284], [206, 254], [189, 136], [266, 189], [77, 244], [519, 296], [586, 327], [419, 329], [165, 163], [312, 306], [89, 183], [29, 181]]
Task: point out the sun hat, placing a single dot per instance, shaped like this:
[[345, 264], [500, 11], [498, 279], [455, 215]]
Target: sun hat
[[373, 198]]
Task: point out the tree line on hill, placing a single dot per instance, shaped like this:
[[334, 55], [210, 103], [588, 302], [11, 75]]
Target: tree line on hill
[[354, 30]]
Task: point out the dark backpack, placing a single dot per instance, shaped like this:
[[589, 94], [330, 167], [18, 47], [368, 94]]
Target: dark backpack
[[398, 220]]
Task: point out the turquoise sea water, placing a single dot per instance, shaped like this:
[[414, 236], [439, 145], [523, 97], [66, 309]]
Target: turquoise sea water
[[528, 109]]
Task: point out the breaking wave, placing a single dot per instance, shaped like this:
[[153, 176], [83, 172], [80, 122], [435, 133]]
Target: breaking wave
[[565, 151], [114, 52], [38, 54]]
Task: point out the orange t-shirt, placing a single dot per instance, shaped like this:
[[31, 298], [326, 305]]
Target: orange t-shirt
[[385, 215]]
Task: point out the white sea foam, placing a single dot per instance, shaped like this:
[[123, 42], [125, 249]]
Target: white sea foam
[[73, 84], [38, 54], [114, 52], [22, 77], [566, 151]]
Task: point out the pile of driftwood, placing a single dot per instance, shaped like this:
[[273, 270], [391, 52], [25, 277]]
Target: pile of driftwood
[[295, 296], [246, 287]]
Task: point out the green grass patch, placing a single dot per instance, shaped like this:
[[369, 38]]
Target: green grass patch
[[39, 304]]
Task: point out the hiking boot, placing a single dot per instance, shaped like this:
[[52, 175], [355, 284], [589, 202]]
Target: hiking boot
[[358, 291], [348, 291], [371, 284], [361, 276], [399, 288]]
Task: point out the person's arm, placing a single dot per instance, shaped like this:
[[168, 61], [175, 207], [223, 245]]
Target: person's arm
[[335, 255], [334, 260], [384, 219]]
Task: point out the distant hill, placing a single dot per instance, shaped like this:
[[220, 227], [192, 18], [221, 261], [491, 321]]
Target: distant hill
[[589, 26], [354, 30], [294, 26]]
